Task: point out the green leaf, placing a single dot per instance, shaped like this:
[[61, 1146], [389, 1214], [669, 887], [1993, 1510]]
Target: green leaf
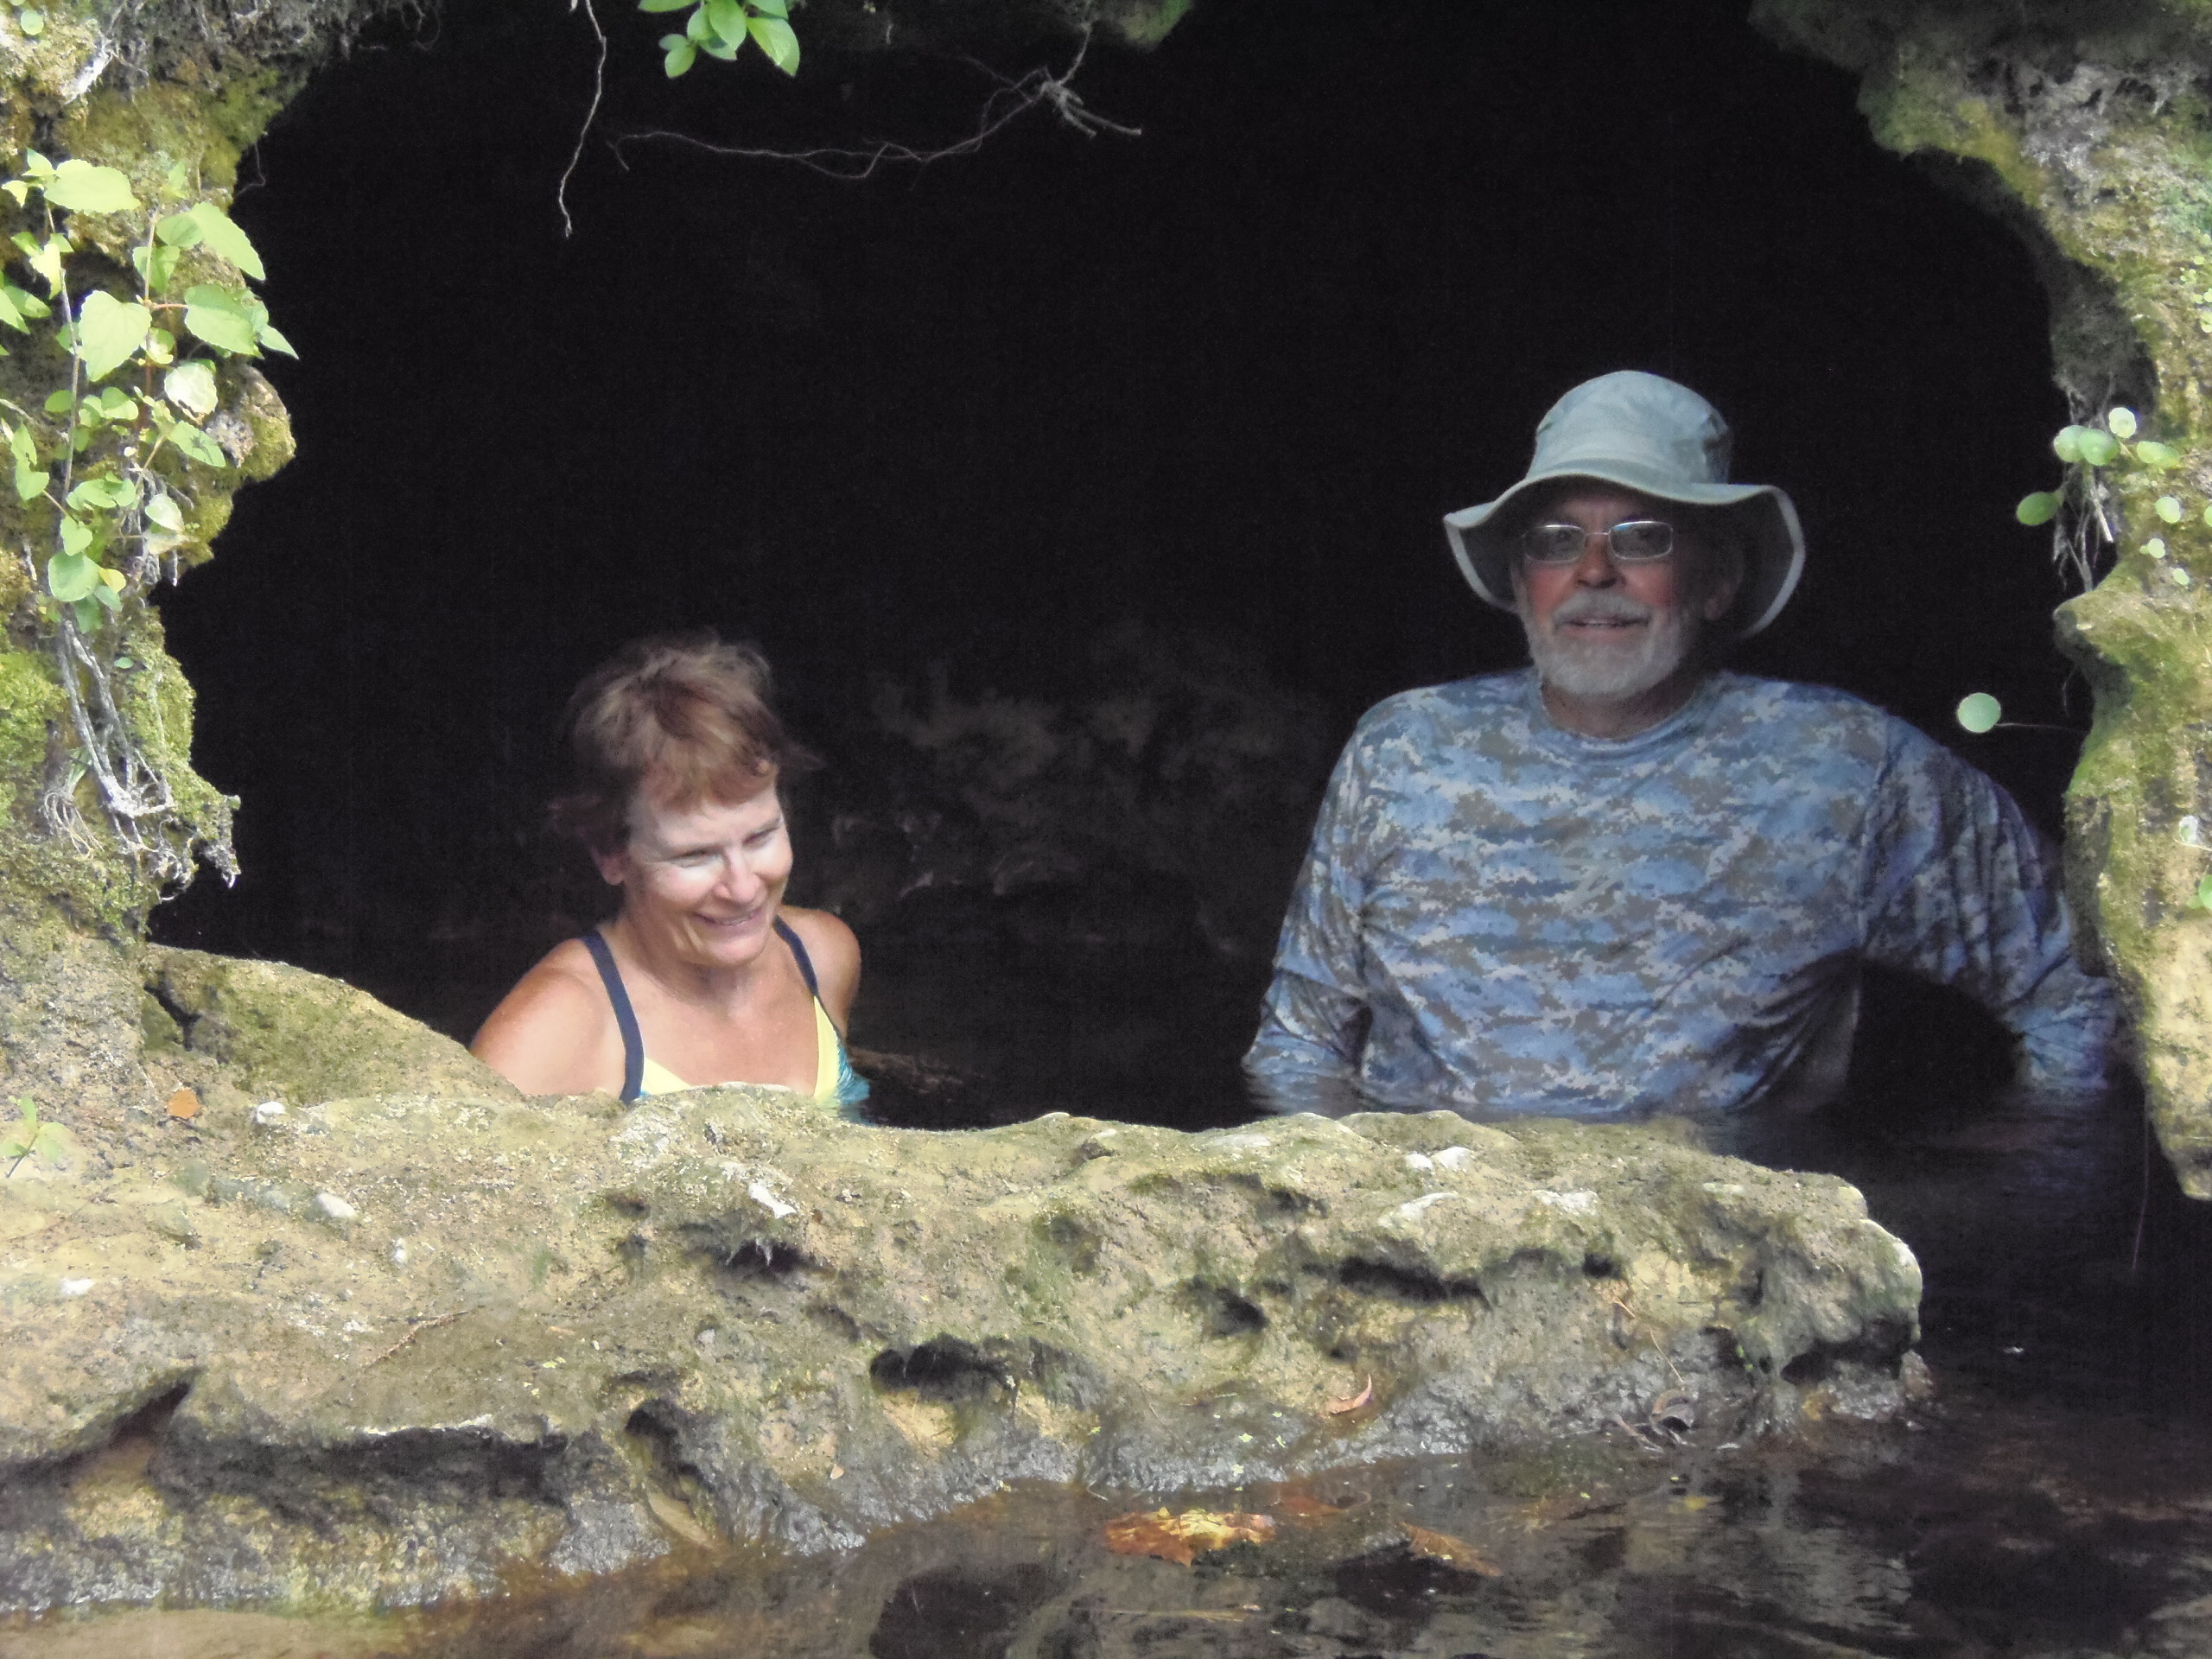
[[32, 21], [727, 19], [2067, 446], [2097, 448], [59, 403], [696, 27], [24, 1134], [163, 512], [2037, 509], [30, 304], [178, 231], [681, 56], [2156, 547], [72, 576], [714, 47], [217, 316], [191, 387], [226, 239], [18, 191], [45, 258], [198, 445], [663, 5], [2121, 422], [2167, 507], [274, 340], [1978, 712], [777, 41], [105, 492], [11, 313], [30, 477], [87, 187], [770, 8], [116, 404], [2164, 457], [75, 536], [2204, 899], [177, 179], [88, 616], [109, 332], [107, 595]]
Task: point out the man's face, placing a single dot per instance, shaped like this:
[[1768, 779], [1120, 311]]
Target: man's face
[[1604, 629]]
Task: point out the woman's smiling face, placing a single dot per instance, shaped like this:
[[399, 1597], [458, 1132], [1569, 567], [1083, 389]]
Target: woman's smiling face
[[704, 880]]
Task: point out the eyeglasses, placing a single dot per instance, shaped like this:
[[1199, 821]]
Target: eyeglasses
[[1639, 541]]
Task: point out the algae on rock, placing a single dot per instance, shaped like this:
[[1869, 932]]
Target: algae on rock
[[392, 1348], [145, 89], [2094, 124]]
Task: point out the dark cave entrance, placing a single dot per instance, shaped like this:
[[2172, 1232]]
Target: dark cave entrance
[[1071, 455]]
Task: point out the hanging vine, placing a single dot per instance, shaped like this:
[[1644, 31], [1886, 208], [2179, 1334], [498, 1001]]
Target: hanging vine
[[111, 468]]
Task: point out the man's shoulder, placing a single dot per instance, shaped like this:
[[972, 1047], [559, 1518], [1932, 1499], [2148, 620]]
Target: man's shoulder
[[1457, 705], [1776, 708]]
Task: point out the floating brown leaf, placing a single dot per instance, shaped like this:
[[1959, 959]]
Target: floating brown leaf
[[1352, 1402], [184, 1103], [1453, 1552], [1303, 1503], [1183, 1538]]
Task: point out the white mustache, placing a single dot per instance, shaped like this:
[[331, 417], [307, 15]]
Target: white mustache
[[1600, 608]]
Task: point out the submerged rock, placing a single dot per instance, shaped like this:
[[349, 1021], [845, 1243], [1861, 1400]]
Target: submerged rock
[[383, 1350]]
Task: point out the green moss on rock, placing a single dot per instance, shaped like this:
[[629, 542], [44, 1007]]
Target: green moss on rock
[[2093, 120], [282, 1032]]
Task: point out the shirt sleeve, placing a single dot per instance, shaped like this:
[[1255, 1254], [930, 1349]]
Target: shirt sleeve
[[1315, 1017], [1961, 889]]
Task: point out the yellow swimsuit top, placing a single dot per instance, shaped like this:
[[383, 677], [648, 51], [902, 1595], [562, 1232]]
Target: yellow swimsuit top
[[835, 1080], [828, 1060]]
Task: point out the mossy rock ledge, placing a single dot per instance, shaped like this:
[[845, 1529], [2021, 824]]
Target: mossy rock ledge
[[383, 1350]]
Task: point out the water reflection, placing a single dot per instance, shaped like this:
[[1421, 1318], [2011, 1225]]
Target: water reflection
[[1982, 1529]]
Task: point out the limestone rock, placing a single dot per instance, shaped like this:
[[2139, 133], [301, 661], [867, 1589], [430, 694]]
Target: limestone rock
[[285, 1033], [384, 1350], [2085, 126]]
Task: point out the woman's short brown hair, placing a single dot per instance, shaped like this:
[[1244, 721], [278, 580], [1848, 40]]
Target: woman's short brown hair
[[684, 717]]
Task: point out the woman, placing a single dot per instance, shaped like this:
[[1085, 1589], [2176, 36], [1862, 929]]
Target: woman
[[706, 976]]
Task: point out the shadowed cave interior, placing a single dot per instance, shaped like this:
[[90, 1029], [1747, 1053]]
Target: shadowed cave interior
[[1082, 490]]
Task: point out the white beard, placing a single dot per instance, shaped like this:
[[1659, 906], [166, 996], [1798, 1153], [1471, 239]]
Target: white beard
[[1598, 668]]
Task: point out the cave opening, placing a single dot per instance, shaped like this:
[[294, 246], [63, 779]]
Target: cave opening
[[1083, 491]]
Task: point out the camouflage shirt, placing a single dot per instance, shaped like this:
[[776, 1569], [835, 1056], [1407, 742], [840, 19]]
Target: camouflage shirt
[[1502, 916]]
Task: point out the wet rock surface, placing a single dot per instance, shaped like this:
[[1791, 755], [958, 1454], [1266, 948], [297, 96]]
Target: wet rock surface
[[392, 1348], [2082, 127]]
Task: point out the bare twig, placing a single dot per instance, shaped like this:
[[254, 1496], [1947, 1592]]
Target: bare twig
[[591, 115], [1009, 100], [420, 1326]]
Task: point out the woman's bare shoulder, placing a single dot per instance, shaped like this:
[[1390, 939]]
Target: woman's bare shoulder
[[835, 953], [554, 1033]]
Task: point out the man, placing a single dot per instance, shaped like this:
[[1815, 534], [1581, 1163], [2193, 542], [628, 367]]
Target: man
[[1623, 880]]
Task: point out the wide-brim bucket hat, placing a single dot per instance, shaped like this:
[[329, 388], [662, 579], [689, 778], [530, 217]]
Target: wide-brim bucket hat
[[1646, 434]]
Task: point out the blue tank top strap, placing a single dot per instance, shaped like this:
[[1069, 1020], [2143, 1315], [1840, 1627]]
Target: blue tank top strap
[[626, 1017], [790, 937]]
